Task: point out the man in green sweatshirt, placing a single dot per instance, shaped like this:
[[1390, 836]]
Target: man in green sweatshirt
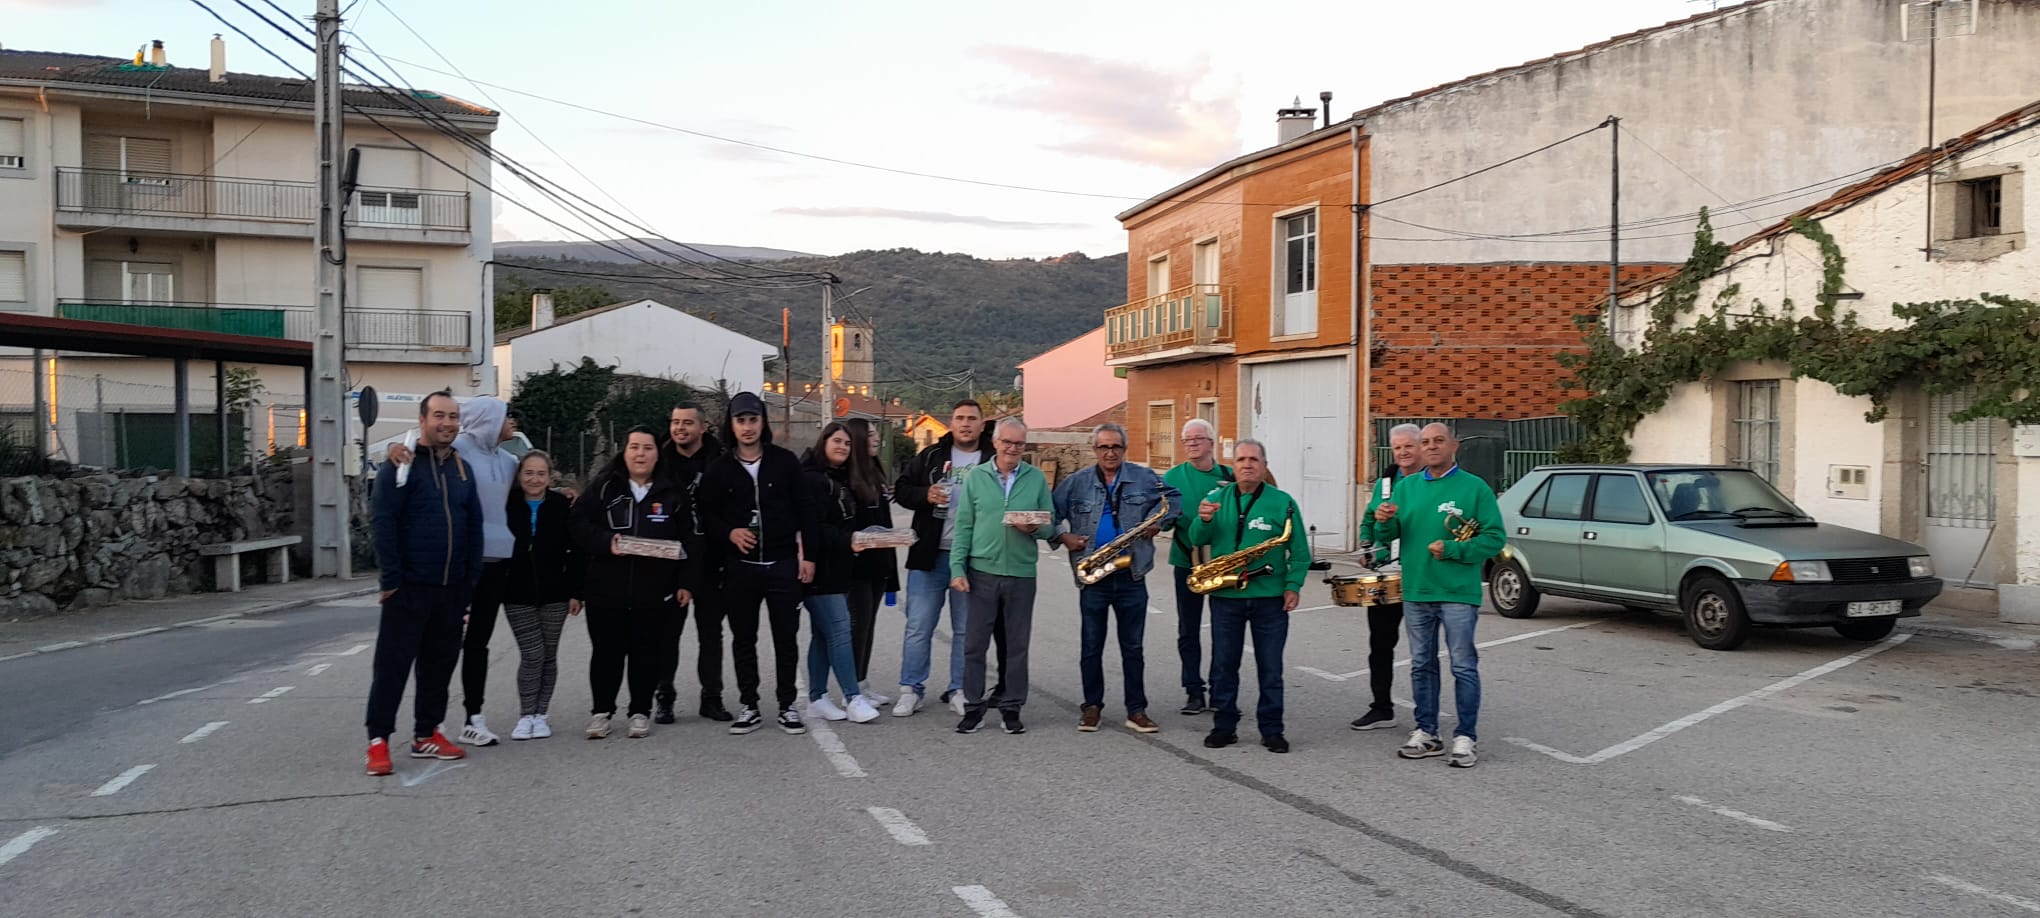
[[1243, 514], [993, 563], [1199, 475], [1384, 619], [1442, 561]]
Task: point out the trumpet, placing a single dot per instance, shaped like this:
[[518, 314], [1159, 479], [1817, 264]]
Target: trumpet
[[1460, 528], [1112, 556]]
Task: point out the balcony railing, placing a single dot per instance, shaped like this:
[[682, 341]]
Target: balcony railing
[[375, 329], [206, 197], [1191, 316]]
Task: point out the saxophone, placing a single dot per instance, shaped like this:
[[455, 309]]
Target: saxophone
[[1112, 556], [1227, 571]]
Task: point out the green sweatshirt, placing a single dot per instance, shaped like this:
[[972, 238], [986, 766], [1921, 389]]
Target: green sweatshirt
[[1194, 485], [983, 541], [1422, 504], [1229, 531], [1376, 499]]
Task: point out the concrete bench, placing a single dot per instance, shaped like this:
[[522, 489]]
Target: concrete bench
[[227, 560]]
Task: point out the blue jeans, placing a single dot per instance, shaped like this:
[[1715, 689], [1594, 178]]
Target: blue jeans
[[1123, 597], [926, 592], [829, 646], [1231, 619], [1458, 618], [1189, 632]]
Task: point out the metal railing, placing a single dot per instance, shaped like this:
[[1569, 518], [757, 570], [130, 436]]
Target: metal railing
[[1197, 314], [382, 329], [207, 197]]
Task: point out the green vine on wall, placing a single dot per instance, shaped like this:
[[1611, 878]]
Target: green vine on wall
[[1991, 343]]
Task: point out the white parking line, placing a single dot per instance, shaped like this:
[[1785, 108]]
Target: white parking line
[[431, 771], [1943, 879], [903, 830], [203, 732], [1638, 742], [124, 635], [1154, 611], [1497, 642], [19, 844], [983, 902], [318, 668], [351, 651], [53, 648], [1734, 814], [833, 748], [122, 780], [277, 692]]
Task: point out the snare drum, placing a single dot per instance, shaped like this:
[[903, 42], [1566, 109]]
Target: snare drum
[[1366, 589]]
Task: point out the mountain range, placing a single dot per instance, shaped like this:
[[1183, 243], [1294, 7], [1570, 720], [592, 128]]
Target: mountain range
[[649, 249]]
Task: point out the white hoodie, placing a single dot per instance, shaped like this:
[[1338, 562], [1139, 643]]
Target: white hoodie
[[481, 430]]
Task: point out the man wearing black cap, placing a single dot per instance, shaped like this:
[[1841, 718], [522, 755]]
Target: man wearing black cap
[[750, 501]]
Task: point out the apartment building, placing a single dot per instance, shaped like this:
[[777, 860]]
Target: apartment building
[[138, 192]]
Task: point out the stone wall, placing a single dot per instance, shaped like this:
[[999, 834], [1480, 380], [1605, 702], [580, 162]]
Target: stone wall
[[76, 542]]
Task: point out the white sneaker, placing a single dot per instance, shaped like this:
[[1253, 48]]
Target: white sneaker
[[1420, 745], [825, 709], [476, 733], [910, 701], [861, 711], [956, 702], [875, 698], [640, 726], [1463, 755], [540, 727], [523, 728], [598, 727]]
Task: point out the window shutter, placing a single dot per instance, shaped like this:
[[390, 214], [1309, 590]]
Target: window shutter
[[13, 135], [392, 288], [13, 277], [148, 156], [102, 152], [103, 281], [386, 168]]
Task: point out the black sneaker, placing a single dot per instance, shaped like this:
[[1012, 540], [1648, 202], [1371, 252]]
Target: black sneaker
[[712, 708], [1217, 740], [789, 720], [1375, 720], [662, 712], [747, 720], [1194, 704], [971, 721], [1012, 722], [1275, 744]]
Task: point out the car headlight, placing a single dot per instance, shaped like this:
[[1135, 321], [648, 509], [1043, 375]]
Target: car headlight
[[1803, 572], [1919, 567]]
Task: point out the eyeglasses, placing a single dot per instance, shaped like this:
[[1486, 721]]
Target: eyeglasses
[[1016, 444], [1110, 447], [1196, 439]]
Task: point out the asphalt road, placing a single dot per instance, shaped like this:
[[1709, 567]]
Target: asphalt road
[[1624, 772]]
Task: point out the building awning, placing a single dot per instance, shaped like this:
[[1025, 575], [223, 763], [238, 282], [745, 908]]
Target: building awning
[[48, 332]]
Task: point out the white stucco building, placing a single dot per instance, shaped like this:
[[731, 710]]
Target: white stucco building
[[1969, 492], [639, 338]]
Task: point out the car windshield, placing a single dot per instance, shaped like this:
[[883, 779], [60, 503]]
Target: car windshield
[[1699, 494]]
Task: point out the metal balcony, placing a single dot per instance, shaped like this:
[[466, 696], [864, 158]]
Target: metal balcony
[[1184, 323], [88, 198], [366, 330]]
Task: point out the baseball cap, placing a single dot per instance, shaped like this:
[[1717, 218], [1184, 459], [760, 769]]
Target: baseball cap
[[747, 403]]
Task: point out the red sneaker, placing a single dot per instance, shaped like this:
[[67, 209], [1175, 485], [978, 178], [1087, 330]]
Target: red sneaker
[[436, 746], [379, 759]]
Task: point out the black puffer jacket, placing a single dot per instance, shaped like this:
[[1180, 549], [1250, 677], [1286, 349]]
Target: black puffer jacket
[[878, 565], [911, 492], [543, 568], [609, 509], [826, 541]]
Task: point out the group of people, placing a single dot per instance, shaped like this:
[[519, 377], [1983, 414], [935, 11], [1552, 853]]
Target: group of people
[[725, 528]]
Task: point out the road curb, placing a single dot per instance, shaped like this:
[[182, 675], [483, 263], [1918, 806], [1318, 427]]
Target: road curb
[[103, 639], [2006, 639]]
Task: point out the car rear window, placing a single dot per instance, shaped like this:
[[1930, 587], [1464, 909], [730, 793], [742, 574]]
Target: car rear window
[[1561, 498], [1618, 499]]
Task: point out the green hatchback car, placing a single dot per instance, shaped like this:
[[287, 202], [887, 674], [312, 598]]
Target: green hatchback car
[[1716, 544]]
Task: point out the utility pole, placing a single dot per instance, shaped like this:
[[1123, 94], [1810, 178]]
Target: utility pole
[[828, 387], [786, 369], [330, 505], [1614, 219]]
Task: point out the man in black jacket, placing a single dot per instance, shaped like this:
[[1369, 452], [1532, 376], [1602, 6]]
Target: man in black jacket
[[681, 462], [750, 500], [925, 487]]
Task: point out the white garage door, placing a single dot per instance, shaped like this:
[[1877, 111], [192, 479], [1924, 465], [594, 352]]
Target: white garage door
[[1300, 409]]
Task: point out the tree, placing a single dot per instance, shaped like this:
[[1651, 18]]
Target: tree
[[513, 301], [557, 406]]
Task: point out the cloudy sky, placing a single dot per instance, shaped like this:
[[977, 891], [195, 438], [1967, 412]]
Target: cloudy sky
[[1085, 107]]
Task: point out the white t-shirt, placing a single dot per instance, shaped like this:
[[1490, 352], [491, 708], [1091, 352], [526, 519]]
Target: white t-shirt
[[752, 466], [638, 491], [959, 463]]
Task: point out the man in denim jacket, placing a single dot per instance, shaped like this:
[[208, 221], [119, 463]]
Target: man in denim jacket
[[1093, 507]]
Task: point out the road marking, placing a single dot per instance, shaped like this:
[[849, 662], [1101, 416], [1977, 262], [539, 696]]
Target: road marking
[[1322, 674], [1317, 608], [1638, 742], [351, 651], [1497, 642], [1734, 814], [17, 656], [122, 780], [1154, 611], [432, 771], [124, 635], [207, 621], [277, 692], [203, 732], [983, 902], [832, 746], [1943, 879], [896, 822], [318, 668], [19, 844], [53, 648]]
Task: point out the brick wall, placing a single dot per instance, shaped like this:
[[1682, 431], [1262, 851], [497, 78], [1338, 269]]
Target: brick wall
[[1479, 341], [1182, 385]]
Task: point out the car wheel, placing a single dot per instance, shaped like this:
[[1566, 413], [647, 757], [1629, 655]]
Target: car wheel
[[1714, 614], [1510, 590], [1874, 629]]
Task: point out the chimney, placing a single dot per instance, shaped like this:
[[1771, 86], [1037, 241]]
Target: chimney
[[541, 309], [219, 59], [156, 54], [1294, 121], [1325, 98]]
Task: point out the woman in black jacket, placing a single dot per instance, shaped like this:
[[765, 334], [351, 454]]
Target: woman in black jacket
[[827, 544], [877, 571], [540, 586], [633, 600]]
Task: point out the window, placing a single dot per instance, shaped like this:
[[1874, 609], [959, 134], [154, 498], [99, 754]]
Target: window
[[392, 288], [1561, 498], [1298, 261], [389, 207], [13, 277], [1753, 431], [13, 143], [138, 160], [1161, 435], [1618, 499], [1982, 208]]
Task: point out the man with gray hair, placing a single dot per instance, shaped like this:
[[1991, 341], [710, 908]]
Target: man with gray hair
[[1384, 620], [1198, 477], [1093, 508], [1001, 509]]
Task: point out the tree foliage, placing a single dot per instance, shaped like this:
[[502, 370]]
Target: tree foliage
[[513, 301]]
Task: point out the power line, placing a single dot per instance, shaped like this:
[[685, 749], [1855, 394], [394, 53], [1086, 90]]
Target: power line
[[1485, 169]]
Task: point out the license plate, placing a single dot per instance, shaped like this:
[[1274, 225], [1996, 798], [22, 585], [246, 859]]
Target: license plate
[[1878, 607]]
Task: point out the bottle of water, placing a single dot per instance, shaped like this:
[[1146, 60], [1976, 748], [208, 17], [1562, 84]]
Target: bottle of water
[[892, 598]]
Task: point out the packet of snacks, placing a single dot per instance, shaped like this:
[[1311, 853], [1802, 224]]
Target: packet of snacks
[[1026, 517], [881, 537], [650, 548]]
